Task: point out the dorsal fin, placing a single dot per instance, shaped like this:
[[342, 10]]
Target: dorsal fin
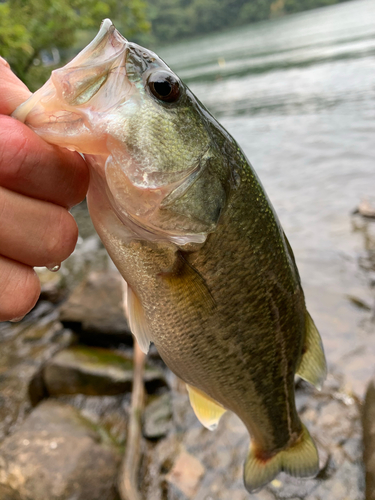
[[207, 410], [312, 367], [292, 258]]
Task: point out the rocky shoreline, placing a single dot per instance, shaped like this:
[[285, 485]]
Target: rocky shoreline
[[66, 375]]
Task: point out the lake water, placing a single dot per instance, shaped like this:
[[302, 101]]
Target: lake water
[[298, 94]]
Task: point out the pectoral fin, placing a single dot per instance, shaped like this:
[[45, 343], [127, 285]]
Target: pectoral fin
[[207, 410], [313, 366], [188, 286], [137, 320]]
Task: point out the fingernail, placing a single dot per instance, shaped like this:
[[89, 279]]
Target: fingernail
[[4, 62], [16, 320]]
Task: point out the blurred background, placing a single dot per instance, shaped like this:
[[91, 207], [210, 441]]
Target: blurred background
[[294, 82]]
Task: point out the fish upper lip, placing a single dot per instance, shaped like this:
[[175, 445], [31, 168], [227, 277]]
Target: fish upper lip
[[106, 25], [106, 28], [105, 50]]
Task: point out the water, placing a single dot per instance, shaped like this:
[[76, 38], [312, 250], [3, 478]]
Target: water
[[298, 95], [53, 267]]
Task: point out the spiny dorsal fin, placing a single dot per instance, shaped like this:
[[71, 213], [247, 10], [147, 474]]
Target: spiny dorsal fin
[[300, 460], [207, 411], [137, 320], [292, 258], [312, 367]]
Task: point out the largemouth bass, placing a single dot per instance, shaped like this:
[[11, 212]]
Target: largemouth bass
[[211, 277]]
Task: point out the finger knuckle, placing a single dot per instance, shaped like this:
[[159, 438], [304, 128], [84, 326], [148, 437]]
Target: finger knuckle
[[15, 158]]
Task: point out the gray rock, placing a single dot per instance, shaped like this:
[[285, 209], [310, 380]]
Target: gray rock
[[157, 417], [110, 413], [366, 209], [52, 285], [332, 417], [369, 440], [94, 371], [95, 306], [57, 455], [186, 473], [25, 347]]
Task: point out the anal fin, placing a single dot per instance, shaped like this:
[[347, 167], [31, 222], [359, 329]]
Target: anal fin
[[207, 411], [137, 319], [312, 367], [299, 460]]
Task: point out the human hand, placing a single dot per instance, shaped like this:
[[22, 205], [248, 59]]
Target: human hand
[[39, 183]]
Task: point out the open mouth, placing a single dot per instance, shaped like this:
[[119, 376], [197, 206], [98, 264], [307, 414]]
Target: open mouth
[[93, 82]]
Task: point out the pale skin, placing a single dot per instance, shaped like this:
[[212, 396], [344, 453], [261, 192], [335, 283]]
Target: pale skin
[[39, 183]]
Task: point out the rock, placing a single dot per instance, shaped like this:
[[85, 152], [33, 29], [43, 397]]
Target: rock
[[369, 441], [186, 474], [95, 371], [57, 455], [52, 285], [25, 347], [37, 389], [360, 303], [95, 306], [332, 417], [366, 209], [110, 413], [157, 417], [43, 309]]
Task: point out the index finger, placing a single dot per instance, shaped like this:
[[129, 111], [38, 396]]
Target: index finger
[[28, 164], [12, 91]]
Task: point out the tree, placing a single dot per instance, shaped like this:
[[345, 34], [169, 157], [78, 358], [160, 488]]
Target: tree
[[178, 19], [29, 26]]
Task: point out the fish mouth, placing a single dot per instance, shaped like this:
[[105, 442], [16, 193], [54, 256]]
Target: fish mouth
[[95, 81], [81, 79]]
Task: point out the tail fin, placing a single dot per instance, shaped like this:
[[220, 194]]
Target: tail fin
[[300, 460]]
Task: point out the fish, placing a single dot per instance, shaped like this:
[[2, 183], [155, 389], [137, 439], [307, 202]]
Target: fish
[[211, 278]]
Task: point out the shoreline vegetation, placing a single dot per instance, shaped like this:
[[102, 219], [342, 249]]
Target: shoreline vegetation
[[172, 20], [40, 35]]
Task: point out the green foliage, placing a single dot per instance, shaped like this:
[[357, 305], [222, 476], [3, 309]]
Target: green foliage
[[13, 35], [176, 19], [296, 6], [257, 10], [29, 26]]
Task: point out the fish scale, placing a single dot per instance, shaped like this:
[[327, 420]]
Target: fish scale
[[211, 278]]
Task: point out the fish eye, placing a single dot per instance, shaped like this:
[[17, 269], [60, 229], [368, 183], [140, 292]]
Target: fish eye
[[164, 86]]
